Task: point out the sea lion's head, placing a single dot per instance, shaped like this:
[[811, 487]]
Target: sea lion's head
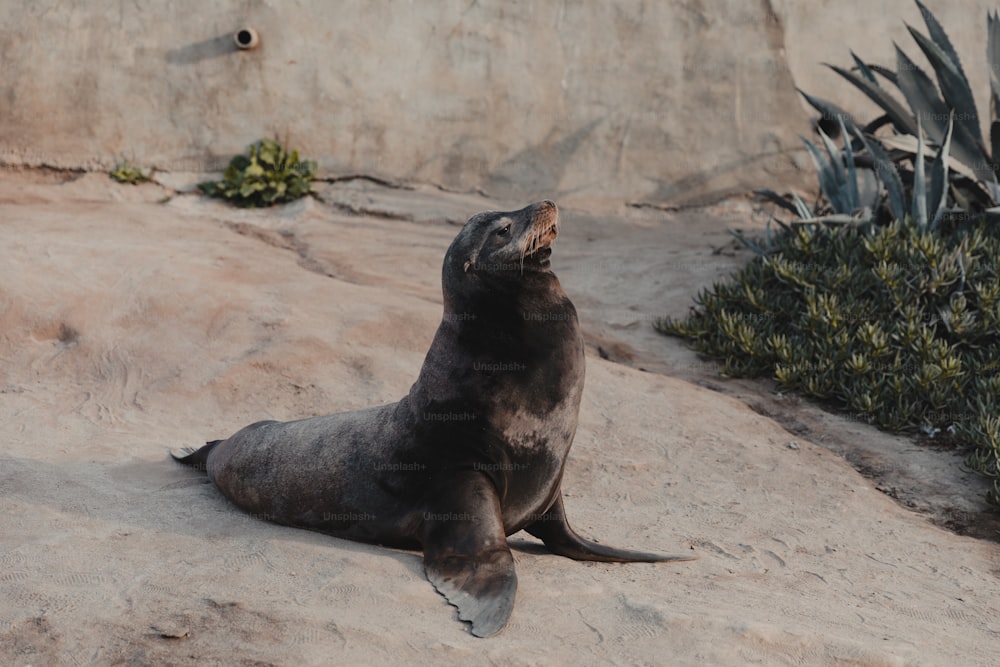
[[502, 248]]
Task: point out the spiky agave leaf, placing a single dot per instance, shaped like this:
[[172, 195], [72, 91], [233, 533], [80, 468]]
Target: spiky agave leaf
[[918, 206], [939, 36], [994, 189], [754, 247], [830, 113], [938, 195], [907, 143], [886, 172], [862, 218], [900, 117], [767, 231], [886, 73], [852, 176], [837, 165], [803, 209], [864, 69], [775, 198], [993, 58], [953, 84], [829, 110], [830, 177], [995, 148], [922, 96]]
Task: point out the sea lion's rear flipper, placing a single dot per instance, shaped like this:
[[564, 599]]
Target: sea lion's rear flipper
[[555, 531], [466, 555], [195, 459]]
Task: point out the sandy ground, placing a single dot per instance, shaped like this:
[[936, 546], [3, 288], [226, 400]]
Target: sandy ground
[[130, 326]]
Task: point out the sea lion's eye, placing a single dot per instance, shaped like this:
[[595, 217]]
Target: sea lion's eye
[[503, 231]]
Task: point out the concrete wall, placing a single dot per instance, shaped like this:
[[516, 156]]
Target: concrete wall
[[654, 100]]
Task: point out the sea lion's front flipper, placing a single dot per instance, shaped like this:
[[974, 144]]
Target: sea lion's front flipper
[[466, 555], [554, 530]]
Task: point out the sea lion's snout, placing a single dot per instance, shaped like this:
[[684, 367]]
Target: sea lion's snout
[[536, 242], [546, 216], [547, 204]]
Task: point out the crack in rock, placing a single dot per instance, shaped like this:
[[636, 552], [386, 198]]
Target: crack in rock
[[286, 239]]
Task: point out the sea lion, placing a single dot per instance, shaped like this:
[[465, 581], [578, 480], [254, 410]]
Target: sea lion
[[474, 453]]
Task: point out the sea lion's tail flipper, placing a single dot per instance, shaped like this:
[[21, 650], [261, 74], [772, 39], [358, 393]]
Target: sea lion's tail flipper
[[466, 556], [195, 458], [555, 531]]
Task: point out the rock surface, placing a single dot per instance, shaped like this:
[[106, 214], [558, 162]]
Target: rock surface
[[128, 327], [631, 99]]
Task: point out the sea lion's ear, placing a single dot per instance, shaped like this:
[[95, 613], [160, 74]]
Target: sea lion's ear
[[467, 265]]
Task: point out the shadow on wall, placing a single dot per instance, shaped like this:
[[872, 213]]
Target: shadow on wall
[[542, 165], [203, 50]]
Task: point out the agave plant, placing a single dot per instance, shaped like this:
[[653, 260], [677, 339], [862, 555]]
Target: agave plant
[[849, 202], [268, 175], [853, 193], [947, 113]]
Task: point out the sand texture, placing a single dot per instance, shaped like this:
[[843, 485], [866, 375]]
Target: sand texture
[[129, 327]]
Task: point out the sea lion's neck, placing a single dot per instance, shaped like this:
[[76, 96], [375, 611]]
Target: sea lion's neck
[[497, 300], [501, 341], [516, 323]]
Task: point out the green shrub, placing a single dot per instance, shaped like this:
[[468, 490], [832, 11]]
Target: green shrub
[[899, 326], [885, 299], [267, 176]]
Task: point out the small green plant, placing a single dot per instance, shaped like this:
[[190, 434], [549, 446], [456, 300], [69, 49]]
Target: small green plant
[[268, 175], [128, 173]]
